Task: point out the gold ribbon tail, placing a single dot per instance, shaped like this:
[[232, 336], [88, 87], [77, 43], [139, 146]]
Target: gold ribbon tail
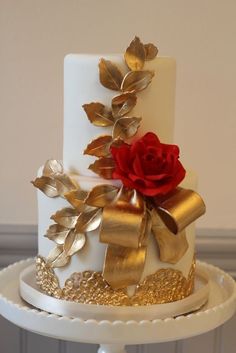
[[124, 228]]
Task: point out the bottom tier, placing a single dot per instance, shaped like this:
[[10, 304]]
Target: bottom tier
[[81, 280]]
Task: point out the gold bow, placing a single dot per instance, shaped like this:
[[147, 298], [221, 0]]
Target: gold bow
[[127, 223]]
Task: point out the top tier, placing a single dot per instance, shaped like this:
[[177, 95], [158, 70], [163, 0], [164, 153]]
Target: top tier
[[81, 86]]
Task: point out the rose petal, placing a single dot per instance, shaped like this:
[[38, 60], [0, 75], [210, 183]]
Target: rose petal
[[151, 139], [137, 166], [121, 157]]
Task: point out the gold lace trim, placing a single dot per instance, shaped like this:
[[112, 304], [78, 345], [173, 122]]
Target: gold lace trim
[[89, 287]]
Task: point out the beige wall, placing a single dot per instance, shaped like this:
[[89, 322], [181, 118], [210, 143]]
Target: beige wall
[[36, 35]]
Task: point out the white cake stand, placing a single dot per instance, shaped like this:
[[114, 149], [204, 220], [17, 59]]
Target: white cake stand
[[114, 335]]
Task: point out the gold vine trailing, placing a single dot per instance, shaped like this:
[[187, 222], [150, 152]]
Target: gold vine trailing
[[124, 216]]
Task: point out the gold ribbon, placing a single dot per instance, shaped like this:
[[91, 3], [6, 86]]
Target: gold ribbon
[[127, 223]]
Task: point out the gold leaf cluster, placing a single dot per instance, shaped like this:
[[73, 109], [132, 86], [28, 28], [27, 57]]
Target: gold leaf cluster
[[116, 116], [54, 182], [71, 223]]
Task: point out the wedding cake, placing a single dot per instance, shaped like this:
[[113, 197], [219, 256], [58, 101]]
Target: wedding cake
[[116, 217]]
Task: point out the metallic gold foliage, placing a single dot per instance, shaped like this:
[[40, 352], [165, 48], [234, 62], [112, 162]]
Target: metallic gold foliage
[[58, 257], [135, 55], [53, 181], [98, 114], [101, 195], [52, 167], [47, 185], [126, 127], [151, 51], [103, 167], [64, 184], [89, 287], [123, 104], [66, 217], [57, 233], [74, 242], [100, 147], [135, 81], [117, 142], [109, 74], [76, 198], [89, 219]]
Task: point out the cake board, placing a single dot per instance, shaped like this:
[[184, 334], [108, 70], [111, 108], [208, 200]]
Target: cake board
[[114, 335]]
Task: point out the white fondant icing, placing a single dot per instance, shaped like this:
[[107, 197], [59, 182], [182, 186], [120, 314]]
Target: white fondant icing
[[81, 85]]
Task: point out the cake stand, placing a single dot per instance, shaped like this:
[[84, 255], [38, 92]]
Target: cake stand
[[114, 335]]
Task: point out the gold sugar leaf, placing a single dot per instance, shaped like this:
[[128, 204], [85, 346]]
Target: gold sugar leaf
[[47, 185], [109, 74], [57, 257], [89, 220], [98, 114], [99, 147], [151, 51], [136, 80], [103, 167], [64, 184], [123, 104], [57, 233], [52, 167], [135, 55], [117, 143], [67, 217], [74, 242], [126, 127], [101, 195], [76, 198]]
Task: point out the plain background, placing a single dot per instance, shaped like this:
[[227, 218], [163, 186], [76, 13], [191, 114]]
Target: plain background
[[36, 35]]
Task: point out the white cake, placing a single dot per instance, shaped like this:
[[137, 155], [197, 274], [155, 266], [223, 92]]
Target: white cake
[[155, 105]]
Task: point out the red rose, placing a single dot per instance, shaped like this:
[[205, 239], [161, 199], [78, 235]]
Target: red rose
[[149, 166]]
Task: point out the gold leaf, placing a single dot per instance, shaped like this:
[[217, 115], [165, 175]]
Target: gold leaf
[[67, 217], [57, 233], [89, 220], [135, 55], [151, 51], [47, 185], [126, 127], [136, 81], [57, 257], [123, 104], [103, 167], [76, 198], [109, 74], [64, 184], [101, 195], [99, 147], [52, 167], [117, 143], [98, 114], [74, 242]]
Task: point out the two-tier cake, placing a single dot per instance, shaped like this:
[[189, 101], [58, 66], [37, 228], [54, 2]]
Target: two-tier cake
[[116, 218]]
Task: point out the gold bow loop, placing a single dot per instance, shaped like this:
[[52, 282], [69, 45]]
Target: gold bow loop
[[127, 222]]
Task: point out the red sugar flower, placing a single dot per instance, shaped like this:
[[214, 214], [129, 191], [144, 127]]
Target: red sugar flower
[[149, 166]]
